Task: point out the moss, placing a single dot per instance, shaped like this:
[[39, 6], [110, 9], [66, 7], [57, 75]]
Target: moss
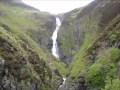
[[112, 84]]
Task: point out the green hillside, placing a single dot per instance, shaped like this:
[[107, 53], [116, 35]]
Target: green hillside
[[25, 62], [90, 41]]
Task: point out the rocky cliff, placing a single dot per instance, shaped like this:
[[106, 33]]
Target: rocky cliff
[[90, 40], [25, 63]]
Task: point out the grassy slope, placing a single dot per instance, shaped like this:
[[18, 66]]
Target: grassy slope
[[68, 35], [99, 33], [18, 28]]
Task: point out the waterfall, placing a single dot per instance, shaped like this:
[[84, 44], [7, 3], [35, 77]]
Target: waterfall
[[54, 38], [55, 51], [62, 84], [64, 79]]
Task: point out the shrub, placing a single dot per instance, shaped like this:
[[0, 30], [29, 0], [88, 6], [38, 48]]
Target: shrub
[[95, 75], [114, 54], [112, 38], [104, 67], [112, 84]]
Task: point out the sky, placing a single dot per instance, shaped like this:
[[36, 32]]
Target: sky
[[57, 6]]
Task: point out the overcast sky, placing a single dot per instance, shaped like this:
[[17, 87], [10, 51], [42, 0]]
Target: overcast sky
[[57, 6]]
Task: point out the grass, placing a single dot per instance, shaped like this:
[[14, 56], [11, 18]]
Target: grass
[[99, 53], [61, 67], [20, 26]]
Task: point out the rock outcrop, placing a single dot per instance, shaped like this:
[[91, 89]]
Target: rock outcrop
[[89, 39], [25, 60]]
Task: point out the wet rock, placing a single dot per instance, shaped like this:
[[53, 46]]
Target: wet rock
[[50, 44]]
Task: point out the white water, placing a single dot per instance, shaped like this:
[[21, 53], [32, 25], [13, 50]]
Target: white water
[[64, 79], [55, 45], [54, 38], [63, 83]]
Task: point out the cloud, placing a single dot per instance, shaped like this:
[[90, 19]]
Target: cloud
[[57, 6]]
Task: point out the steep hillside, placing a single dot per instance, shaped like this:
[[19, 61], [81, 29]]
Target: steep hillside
[[68, 36], [24, 64], [94, 31], [89, 43]]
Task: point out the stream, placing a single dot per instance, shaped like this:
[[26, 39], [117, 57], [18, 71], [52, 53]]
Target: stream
[[62, 84]]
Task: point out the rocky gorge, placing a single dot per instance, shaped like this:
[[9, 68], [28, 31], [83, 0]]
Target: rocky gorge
[[86, 50]]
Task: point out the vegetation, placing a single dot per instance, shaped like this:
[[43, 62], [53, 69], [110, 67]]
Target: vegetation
[[112, 84], [97, 50], [27, 62], [89, 40], [104, 67]]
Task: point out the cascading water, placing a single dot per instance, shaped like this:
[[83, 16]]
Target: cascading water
[[55, 51], [54, 38], [62, 85], [64, 79]]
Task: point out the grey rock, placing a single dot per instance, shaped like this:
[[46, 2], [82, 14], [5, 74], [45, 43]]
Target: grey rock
[[8, 47], [2, 61], [13, 87]]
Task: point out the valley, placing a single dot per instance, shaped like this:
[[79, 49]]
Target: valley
[[77, 50]]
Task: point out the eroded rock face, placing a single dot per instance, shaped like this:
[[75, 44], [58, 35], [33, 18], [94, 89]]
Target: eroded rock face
[[16, 74], [93, 31], [22, 67], [78, 23]]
